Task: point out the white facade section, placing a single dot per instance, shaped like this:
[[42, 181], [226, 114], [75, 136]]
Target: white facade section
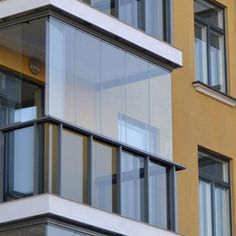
[[50, 204], [100, 20]]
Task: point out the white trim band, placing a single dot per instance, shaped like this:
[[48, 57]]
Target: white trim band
[[55, 205], [105, 22], [214, 94]]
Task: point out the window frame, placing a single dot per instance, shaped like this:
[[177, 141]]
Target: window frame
[[199, 21], [214, 183]]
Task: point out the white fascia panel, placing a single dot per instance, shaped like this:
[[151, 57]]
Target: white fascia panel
[[51, 204], [100, 20]]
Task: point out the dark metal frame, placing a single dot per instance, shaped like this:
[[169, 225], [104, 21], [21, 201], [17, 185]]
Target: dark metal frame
[[213, 28], [120, 147], [216, 182]]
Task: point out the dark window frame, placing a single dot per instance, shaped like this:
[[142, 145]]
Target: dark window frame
[[209, 29], [215, 182]]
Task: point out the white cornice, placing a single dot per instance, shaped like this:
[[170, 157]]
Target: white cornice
[[54, 205], [214, 94], [100, 20]]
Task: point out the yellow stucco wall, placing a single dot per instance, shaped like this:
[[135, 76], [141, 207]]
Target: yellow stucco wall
[[197, 118]]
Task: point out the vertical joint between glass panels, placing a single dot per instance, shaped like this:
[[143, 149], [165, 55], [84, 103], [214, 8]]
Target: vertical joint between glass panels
[[58, 175], [90, 156], [146, 188], [36, 160], [119, 156]]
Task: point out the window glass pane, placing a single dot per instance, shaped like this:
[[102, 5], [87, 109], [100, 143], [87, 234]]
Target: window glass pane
[[217, 61], [113, 89], [132, 187], [74, 166], [222, 212], [205, 208], [154, 18], [21, 165], [58, 231], [106, 6], [158, 214], [104, 186], [201, 53], [33, 231], [216, 168], [209, 12], [128, 11]]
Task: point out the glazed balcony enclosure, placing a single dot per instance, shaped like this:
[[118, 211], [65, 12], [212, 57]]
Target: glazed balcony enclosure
[[85, 119]]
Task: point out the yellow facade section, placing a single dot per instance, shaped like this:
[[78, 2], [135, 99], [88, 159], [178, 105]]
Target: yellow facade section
[[197, 118]]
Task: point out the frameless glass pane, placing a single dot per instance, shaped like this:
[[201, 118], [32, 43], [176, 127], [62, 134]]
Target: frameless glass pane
[[158, 208], [10, 83], [113, 89], [132, 187], [73, 181], [104, 179], [160, 118], [106, 6], [61, 70], [154, 18], [217, 61], [21, 154], [205, 208], [216, 168], [222, 212], [128, 11], [137, 114], [209, 12], [201, 54], [10, 233], [88, 81]]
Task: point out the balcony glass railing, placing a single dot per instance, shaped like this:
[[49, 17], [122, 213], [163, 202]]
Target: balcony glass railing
[[47, 155]]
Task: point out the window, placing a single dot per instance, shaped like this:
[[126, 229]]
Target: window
[[151, 16], [210, 45], [214, 195]]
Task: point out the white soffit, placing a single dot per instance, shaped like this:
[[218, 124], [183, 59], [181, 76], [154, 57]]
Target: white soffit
[[100, 20], [51, 204]]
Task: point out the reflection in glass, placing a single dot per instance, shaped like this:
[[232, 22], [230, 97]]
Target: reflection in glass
[[215, 168], [201, 54], [21, 99], [132, 187], [158, 195], [106, 6], [222, 212], [108, 88], [27, 231], [21, 166], [104, 185], [74, 167], [205, 208], [209, 12], [217, 61], [154, 18]]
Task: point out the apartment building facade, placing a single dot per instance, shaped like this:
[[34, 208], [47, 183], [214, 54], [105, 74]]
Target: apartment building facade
[[117, 117]]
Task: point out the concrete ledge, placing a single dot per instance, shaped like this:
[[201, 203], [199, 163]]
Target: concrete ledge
[[55, 205], [100, 20], [202, 88]]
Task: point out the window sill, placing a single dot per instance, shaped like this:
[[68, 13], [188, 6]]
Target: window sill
[[221, 97]]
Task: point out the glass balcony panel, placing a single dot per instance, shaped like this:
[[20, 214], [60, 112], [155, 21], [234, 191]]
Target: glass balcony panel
[[154, 18], [74, 167], [158, 195], [21, 162], [104, 177], [132, 187], [106, 6]]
